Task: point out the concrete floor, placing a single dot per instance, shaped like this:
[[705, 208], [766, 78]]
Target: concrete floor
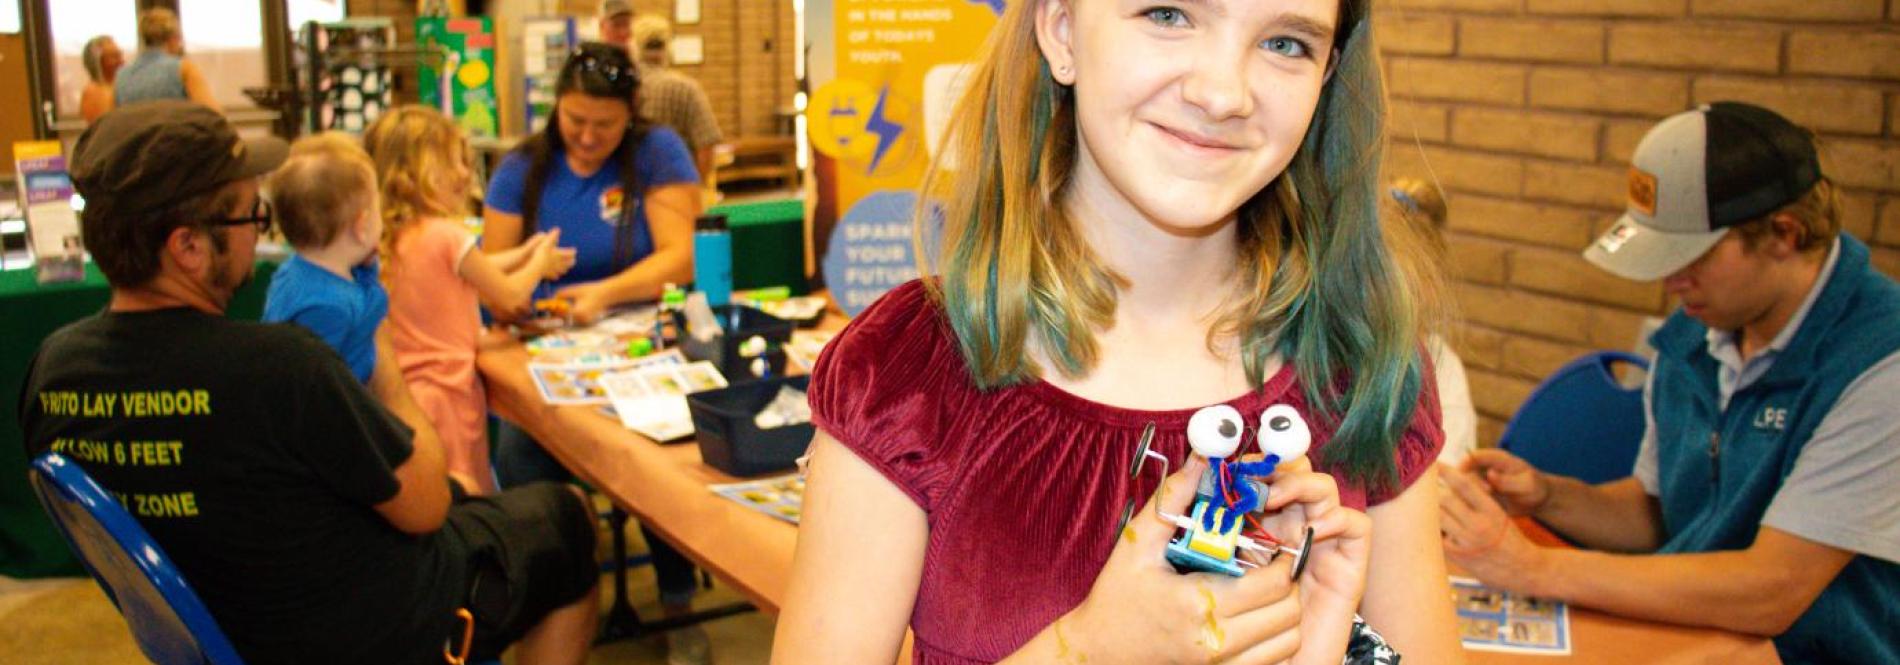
[[70, 621]]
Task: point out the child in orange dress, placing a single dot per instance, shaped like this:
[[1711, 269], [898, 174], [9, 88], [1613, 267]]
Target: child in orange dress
[[436, 283]]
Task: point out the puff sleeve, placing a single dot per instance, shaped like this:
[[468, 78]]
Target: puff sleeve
[[878, 388]]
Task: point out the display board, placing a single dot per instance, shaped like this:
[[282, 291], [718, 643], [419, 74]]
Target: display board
[[472, 88], [546, 43], [52, 227], [885, 75], [353, 86]]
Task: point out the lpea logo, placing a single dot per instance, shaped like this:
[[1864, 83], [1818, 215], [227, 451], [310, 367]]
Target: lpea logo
[[1772, 418]]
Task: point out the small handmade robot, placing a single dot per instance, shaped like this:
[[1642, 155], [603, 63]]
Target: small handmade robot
[[1230, 489]]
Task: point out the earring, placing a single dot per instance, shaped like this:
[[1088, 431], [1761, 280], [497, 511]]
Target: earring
[[1063, 70]]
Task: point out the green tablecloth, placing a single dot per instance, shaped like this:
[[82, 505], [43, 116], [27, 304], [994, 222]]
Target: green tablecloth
[[29, 547], [768, 241]]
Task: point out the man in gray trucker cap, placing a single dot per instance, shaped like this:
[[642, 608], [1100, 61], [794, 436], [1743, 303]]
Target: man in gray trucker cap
[[1762, 497]]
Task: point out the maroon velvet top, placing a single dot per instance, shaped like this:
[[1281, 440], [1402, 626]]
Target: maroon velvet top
[[1023, 487]]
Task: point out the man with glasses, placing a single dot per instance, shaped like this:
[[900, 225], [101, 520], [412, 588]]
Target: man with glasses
[[313, 524]]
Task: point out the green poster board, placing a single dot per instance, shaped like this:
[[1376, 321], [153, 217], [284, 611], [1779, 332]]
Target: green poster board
[[472, 88]]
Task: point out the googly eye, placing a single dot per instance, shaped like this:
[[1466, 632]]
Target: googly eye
[[1283, 432], [1215, 431]]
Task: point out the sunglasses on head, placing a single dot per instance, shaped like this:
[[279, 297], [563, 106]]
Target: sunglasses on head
[[616, 71]]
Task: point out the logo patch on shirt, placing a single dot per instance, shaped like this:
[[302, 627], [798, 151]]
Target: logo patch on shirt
[[1772, 418], [611, 202]]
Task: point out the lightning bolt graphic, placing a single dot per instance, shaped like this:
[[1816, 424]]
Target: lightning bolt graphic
[[885, 130]]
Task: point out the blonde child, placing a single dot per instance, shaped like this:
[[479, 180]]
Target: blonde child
[[436, 283], [1421, 210], [324, 199]]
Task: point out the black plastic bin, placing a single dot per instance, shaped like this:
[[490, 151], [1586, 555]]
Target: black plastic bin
[[730, 442], [723, 351]]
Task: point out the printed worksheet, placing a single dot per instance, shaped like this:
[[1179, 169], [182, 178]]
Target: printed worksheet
[[1492, 620], [571, 383], [651, 399], [806, 345], [781, 497]]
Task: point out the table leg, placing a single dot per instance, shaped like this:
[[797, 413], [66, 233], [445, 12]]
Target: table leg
[[622, 621]]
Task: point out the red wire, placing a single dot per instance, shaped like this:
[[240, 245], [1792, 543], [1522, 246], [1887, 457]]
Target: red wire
[[1227, 495], [1227, 491]]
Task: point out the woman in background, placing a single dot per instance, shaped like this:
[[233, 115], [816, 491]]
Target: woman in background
[[102, 59], [161, 71], [623, 194]]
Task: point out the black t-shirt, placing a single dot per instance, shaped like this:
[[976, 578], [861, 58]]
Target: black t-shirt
[[254, 458]]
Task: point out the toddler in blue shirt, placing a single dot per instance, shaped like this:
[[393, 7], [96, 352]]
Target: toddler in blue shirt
[[325, 202]]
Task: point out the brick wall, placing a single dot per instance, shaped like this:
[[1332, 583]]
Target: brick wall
[[1527, 112], [748, 69]]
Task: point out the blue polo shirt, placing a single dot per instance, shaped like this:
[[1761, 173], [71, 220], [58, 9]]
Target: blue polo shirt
[[1803, 437], [343, 312], [586, 209]]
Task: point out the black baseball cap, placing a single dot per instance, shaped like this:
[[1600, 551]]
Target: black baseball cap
[[1695, 175], [151, 155]]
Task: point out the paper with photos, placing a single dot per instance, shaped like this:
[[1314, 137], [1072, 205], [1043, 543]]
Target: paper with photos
[[782, 497], [1493, 620], [651, 399], [571, 383]]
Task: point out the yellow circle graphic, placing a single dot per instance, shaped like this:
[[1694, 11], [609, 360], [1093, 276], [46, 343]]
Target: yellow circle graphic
[[836, 118], [473, 74]]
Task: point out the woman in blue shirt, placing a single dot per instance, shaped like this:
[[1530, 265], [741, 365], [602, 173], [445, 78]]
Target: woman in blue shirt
[[576, 176]]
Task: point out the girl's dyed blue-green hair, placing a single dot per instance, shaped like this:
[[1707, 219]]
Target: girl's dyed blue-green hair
[[1322, 287]]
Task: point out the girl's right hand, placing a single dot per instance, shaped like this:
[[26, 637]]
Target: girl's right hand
[[1141, 611]]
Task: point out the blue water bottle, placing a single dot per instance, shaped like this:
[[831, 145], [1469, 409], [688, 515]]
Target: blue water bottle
[[712, 259]]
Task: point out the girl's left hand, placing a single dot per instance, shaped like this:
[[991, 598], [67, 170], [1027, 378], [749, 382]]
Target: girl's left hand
[[590, 300], [1337, 563]]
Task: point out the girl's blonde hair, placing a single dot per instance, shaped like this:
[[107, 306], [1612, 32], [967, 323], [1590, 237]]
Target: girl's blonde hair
[[415, 149], [1319, 284]]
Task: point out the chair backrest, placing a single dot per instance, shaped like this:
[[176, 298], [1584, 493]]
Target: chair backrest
[[1580, 422], [171, 625]]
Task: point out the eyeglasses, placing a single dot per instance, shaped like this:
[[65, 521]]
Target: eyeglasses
[[260, 216]]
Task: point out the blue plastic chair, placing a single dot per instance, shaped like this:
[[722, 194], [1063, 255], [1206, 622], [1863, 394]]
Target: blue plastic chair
[[171, 625], [1580, 422]]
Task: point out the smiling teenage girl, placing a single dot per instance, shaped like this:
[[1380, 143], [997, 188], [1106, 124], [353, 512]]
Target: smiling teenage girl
[[1158, 206]]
